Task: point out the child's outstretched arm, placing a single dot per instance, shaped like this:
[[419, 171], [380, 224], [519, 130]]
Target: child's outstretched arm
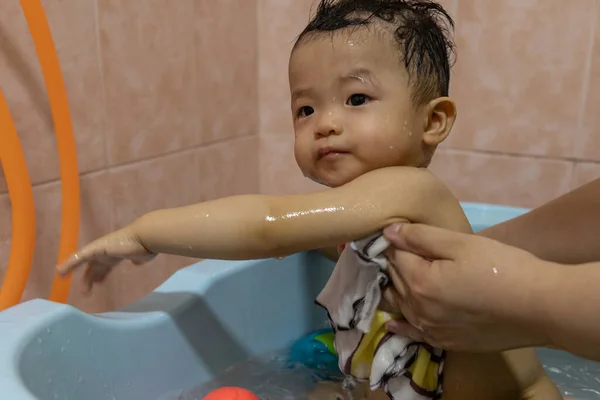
[[260, 226]]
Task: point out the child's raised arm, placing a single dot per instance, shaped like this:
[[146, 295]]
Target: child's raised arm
[[258, 226], [261, 226]]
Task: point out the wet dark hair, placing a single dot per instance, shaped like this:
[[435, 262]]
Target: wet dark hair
[[421, 28]]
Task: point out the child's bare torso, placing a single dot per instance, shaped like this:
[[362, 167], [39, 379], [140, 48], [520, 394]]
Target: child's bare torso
[[467, 376]]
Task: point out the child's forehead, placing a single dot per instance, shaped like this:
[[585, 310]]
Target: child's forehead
[[344, 51], [365, 37]]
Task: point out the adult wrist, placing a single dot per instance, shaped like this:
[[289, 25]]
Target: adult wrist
[[538, 312], [571, 310], [520, 299]]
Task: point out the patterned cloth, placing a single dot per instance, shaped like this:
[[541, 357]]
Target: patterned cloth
[[404, 369]]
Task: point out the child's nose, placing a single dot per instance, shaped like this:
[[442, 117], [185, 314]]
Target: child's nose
[[328, 125]]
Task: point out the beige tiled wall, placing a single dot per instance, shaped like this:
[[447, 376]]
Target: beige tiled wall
[[279, 23], [163, 96], [181, 101]]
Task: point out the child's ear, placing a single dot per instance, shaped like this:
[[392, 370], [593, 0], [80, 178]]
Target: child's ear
[[440, 117]]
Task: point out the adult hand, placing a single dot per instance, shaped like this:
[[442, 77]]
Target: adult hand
[[463, 292]]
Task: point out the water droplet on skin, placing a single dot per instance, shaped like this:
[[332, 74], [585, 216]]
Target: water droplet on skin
[[295, 214], [62, 349], [495, 270], [48, 331], [409, 133]]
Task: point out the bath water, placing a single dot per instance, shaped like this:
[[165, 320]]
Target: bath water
[[272, 377], [269, 376], [579, 380]]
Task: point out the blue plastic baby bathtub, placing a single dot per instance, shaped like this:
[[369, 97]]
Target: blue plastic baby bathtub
[[200, 321]]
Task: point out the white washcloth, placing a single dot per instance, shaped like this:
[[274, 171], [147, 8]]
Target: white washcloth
[[404, 369]]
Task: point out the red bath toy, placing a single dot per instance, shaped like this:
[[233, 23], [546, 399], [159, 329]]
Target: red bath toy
[[230, 393]]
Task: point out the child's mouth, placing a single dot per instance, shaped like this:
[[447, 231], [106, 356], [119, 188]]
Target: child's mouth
[[329, 153]]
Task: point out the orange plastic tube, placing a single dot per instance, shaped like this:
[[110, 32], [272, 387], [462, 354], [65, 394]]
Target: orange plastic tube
[[65, 139], [23, 211]]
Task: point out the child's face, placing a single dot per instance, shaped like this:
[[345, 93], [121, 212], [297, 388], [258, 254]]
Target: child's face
[[352, 107]]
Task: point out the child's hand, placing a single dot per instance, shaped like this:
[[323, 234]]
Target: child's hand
[[101, 255]]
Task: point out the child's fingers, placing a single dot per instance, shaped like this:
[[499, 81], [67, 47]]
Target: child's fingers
[[70, 264], [86, 255], [140, 260], [87, 278], [96, 272]]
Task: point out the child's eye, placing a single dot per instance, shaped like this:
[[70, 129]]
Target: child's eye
[[305, 111], [357, 100]]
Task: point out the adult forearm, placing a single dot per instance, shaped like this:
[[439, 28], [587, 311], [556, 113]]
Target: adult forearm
[[565, 230], [552, 305], [571, 310]]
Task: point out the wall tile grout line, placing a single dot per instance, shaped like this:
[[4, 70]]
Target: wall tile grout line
[[579, 145], [196, 147], [521, 155], [100, 60], [143, 160], [259, 104]]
